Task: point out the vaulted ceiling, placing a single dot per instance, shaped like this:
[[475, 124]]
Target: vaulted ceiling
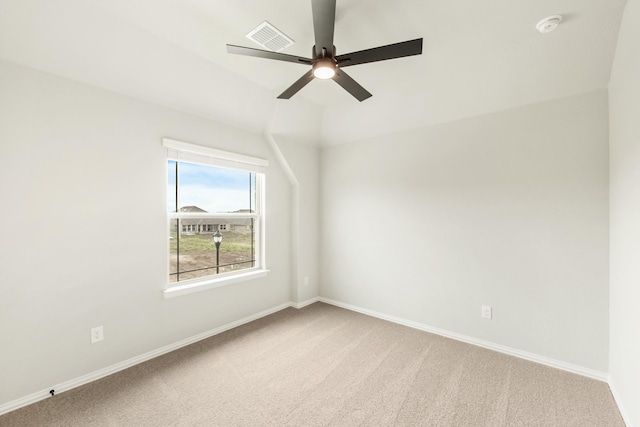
[[478, 57]]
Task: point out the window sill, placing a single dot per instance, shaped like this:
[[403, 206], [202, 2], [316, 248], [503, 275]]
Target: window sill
[[203, 285]]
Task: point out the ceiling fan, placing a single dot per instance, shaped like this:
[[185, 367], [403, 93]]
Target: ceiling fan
[[325, 64]]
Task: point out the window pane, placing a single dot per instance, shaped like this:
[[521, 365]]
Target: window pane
[[252, 188], [237, 249], [173, 250], [193, 254], [214, 190], [171, 187], [194, 189]]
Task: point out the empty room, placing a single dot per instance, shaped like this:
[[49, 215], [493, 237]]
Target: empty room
[[320, 213]]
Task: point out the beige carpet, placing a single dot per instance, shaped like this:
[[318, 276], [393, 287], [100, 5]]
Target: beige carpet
[[325, 366]]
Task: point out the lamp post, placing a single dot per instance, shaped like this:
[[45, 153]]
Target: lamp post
[[217, 239]]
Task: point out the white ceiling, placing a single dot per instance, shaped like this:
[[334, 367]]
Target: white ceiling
[[478, 57]]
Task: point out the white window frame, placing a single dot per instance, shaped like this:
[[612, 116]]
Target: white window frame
[[191, 153]]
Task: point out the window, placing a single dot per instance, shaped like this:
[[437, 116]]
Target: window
[[215, 220]]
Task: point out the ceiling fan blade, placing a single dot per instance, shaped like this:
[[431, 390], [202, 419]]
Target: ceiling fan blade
[[248, 51], [299, 84], [351, 85], [382, 53], [324, 18]]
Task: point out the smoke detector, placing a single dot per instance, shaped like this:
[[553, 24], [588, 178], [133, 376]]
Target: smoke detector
[[549, 24], [269, 37]]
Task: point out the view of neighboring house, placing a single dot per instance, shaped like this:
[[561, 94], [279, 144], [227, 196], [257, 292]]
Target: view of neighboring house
[[211, 225], [198, 225]]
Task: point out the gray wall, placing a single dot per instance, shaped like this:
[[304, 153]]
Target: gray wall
[[508, 209], [624, 99], [302, 161], [84, 230]]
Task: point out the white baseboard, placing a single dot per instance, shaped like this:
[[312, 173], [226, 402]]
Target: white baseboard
[[601, 376], [305, 303], [623, 412], [101, 373]]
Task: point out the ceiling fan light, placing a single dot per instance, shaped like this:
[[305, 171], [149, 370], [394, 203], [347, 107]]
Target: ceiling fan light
[[324, 72], [324, 69]]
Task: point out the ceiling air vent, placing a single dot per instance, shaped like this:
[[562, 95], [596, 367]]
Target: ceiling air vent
[[269, 37]]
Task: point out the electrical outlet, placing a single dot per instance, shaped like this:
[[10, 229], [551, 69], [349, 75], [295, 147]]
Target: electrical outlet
[[486, 311], [306, 280], [97, 334]]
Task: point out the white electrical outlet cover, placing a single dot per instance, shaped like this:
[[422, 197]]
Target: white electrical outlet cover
[[97, 334], [486, 311]]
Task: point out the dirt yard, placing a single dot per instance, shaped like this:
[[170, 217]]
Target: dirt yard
[[198, 252]]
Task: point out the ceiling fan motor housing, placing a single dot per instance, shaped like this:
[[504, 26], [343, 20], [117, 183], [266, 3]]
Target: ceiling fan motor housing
[[324, 52]]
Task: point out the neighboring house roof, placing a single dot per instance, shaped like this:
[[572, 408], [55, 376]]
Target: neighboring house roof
[[191, 209]]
